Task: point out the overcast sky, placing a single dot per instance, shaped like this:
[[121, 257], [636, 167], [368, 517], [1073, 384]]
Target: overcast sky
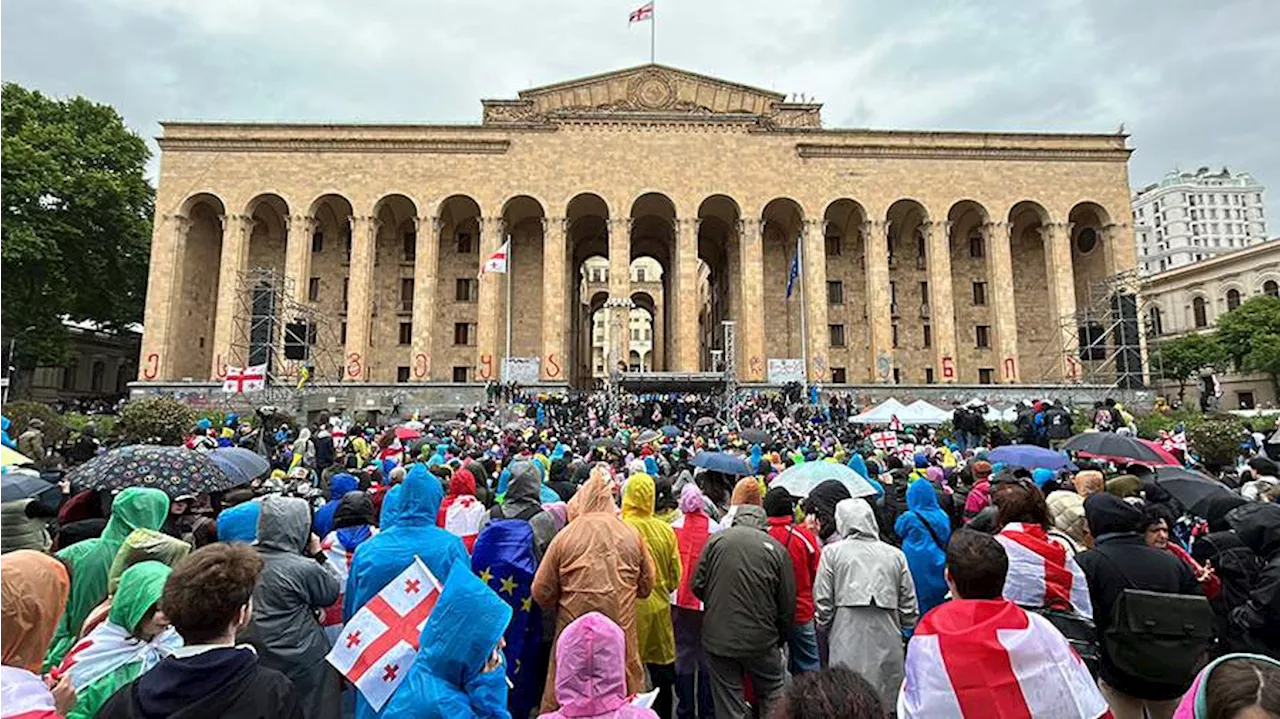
[[1195, 82]]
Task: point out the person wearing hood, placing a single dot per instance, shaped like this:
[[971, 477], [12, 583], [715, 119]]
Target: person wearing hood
[[980, 494], [523, 500], [745, 492], [461, 512], [1120, 559], [142, 545], [207, 599], [458, 672], [239, 523], [407, 528], [90, 561], [597, 564], [693, 682], [304, 450], [295, 584], [925, 530], [1258, 526], [1234, 686], [804, 550], [820, 509], [591, 677], [354, 523], [33, 593], [744, 576], [338, 488], [653, 613], [133, 639], [865, 598]]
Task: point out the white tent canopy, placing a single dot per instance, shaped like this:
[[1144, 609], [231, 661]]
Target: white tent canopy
[[882, 413], [921, 412]]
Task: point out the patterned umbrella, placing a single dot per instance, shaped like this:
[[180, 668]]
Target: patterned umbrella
[[175, 470]]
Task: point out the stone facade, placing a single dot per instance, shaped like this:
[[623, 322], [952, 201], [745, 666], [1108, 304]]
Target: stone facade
[[719, 183], [1190, 299]]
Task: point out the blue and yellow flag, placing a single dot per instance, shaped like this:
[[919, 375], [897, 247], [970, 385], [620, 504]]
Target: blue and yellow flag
[[503, 558]]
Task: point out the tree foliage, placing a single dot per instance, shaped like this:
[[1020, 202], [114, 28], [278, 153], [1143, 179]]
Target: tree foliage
[[1217, 439], [21, 414], [76, 219], [1182, 358], [155, 420], [1250, 335]]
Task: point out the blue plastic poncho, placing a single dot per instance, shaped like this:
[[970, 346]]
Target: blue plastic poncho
[[925, 556]]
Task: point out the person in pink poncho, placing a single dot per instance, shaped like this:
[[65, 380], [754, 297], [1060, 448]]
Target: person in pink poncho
[[591, 672]]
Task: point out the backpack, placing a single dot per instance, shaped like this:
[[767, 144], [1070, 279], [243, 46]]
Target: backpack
[[1079, 632], [1159, 636]]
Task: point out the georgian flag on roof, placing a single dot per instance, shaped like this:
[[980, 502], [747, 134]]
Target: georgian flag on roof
[[642, 13], [377, 647]]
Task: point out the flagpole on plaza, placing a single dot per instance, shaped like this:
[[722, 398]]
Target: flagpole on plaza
[[804, 311], [510, 267], [653, 31]]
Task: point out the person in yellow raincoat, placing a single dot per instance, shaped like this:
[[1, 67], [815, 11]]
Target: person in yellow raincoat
[[653, 613]]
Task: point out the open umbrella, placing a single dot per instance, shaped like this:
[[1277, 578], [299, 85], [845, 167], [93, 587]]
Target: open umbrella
[[670, 430], [649, 435], [10, 457], [1116, 447], [1030, 456], [800, 479], [1164, 453], [405, 433], [22, 484], [177, 471], [756, 436], [705, 422], [722, 462], [241, 465], [1192, 489]]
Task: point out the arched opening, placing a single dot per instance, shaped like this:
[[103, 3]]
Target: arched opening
[[329, 282], [1091, 259], [908, 290], [647, 295], [782, 223], [1199, 312], [457, 291], [258, 324], [1155, 321], [1233, 299], [394, 253], [1271, 288], [653, 218], [972, 293], [587, 249], [201, 264], [720, 250], [1038, 328], [846, 291], [640, 358], [523, 220]]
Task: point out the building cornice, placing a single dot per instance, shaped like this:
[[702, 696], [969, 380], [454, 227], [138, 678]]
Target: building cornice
[[957, 152], [440, 146]]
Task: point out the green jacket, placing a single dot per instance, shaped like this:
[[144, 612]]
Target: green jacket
[[90, 561], [140, 588]]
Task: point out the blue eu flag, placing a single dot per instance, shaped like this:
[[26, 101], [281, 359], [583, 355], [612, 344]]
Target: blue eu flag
[[503, 558], [795, 272]]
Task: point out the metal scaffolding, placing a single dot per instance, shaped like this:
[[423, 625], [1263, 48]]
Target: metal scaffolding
[[1102, 343], [730, 404]]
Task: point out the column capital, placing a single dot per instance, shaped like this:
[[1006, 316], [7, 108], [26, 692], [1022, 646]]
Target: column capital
[[688, 223], [995, 229], [751, 229], [1052, 230], [558, 224], [301, 220], [622, 224], [943, 225]]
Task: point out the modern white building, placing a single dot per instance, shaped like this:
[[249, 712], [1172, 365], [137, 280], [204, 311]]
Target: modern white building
[[1191, 216]]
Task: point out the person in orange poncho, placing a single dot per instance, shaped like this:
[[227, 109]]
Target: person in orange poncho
[[34, 593], [595, 564]]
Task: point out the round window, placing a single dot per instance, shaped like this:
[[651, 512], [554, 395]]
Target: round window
[[1086, 240]]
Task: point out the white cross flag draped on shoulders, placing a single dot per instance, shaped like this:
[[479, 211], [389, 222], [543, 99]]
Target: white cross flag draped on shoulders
[[245, 379], [380, 642], [497, 262]]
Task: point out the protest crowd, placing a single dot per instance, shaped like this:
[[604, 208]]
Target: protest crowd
[[605, 554]]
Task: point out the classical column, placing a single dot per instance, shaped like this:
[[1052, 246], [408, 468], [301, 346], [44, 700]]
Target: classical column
[[752, 362], [297, 257], [164, 297], [1000, 272], [875, 236], [942, 317], [686, 301], [814, 277], [555, 361], [364, 233], [1056, 237], [489, 332], [425, 265], [236, 230], [618, 320]]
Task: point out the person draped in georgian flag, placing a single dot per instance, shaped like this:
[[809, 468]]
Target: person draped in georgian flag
[[980, 655], [354, 522], [460, 512], [1042, 570]]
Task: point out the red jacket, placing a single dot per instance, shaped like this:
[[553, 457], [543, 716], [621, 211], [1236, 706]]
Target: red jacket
[[805, 550]]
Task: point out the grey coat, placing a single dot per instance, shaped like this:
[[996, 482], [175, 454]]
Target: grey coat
[[291, 589], [524, 492], [865, 597]]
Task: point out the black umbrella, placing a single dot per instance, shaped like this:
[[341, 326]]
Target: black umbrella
[[756, 436], [1113, 446], [177, 471], [22, 484], [705, 421], [1192, 489]]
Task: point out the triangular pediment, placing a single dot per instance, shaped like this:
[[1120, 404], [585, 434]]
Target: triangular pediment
[[645, 90]]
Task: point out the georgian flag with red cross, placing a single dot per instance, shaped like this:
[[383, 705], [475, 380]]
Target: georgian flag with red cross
[[884, 440], [642, 13], [245, 379], [377, 647]]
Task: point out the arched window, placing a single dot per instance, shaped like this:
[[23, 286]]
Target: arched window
[[1233, 299], [1155, 321], [97, 375], [1270, 287], [1200, 312]]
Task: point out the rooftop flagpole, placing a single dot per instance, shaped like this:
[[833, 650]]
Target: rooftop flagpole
[[653, 30]]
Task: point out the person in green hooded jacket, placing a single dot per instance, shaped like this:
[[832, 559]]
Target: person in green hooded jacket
[[133, 639], [90, 561]]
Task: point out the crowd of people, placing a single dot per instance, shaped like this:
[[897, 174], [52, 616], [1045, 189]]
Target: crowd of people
[[591, 563]]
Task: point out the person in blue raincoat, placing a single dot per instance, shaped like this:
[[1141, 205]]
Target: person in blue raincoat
[[339, 485], [408, 529], [925, 531], [459, 672]]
